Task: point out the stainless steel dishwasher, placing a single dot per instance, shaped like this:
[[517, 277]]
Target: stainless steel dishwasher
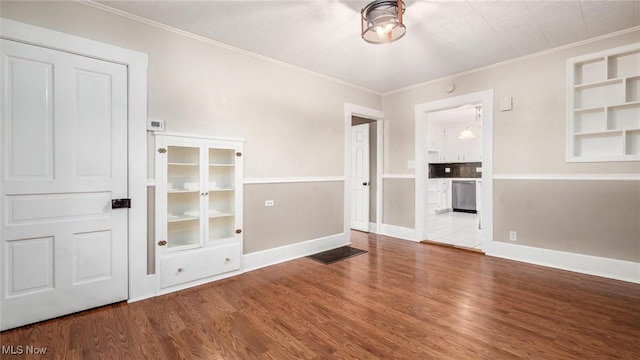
[[463, 196]]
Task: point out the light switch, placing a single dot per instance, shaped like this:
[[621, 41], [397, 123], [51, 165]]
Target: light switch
[[478, 169], [447, 170]]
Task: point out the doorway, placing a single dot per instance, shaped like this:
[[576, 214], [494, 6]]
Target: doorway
[[360, 187], [424, 112], [454, 184]]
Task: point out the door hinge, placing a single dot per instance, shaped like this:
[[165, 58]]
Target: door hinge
[[162, 150], [162, 242]]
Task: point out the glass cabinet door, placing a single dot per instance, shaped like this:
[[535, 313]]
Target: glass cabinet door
[[183, 196], [221, 188]]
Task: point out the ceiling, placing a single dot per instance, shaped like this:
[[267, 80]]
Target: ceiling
[[443, 37]]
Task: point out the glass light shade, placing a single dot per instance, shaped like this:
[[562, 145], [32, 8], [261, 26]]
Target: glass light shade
[[466, 134], [382, 22]]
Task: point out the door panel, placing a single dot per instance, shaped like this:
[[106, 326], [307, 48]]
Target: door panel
[[29, 120], [64, 123]]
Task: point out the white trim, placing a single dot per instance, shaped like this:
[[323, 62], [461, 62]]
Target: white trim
[[571, 177], [586, 264], [222, 45], [196, 136], [485, 98], [398, 176], [373, 227], [264, 258], [151, 182], [286, 180], [516, 60], [351, 110], [140, 284], [34, 35], [400, 232]]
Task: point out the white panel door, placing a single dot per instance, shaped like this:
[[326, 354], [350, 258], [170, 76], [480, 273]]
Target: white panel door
[[360, 180], [64, 157]]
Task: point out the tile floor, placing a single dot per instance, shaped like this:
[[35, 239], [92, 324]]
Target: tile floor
[[455, 228]]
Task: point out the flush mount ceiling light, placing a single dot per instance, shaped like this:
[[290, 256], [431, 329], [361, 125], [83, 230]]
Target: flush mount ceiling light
[[381, 21], [467, 133]]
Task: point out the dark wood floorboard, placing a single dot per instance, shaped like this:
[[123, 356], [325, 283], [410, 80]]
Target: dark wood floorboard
[[401, 300]]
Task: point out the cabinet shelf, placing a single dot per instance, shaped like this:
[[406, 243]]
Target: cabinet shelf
[[599, 83], [182, 164], [222, 165], [178, 218]]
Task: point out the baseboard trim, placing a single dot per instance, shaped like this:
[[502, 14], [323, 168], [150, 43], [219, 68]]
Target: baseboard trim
[[289, 180], [585, 264], [399, 232], [264, 258]]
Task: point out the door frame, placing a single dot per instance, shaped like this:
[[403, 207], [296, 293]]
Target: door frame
[[485, 98], [351, 110], [141, 285]]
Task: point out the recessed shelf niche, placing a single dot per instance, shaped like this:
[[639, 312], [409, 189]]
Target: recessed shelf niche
[[603, 112]]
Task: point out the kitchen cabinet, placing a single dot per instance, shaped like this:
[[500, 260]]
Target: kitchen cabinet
[[198, 210], [438, 196], [462, 150], [603, 112], [435, 142]]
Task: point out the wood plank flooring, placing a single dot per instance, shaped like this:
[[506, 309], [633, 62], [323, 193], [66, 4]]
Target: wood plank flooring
[[401, 300]]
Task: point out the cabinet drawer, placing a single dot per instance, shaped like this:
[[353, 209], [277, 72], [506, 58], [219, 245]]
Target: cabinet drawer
[[199, 264]]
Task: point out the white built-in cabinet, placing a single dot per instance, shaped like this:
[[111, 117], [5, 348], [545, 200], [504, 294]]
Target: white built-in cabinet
[[435, 137], [603, 96], [198, 210]]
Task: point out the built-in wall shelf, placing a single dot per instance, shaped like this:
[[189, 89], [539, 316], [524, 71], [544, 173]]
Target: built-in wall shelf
[[603, 106]]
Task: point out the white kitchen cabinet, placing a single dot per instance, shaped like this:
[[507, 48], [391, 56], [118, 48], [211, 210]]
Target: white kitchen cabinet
[[471, 149], [198, 210], [439, 195], [436, 142], [603, 112], [462, 150]]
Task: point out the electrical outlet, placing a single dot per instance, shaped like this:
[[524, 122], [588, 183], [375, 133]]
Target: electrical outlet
[[269, 203], [513, 236]]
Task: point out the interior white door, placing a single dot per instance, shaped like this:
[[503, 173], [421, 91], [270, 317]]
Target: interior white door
[[64, 158], [360, 179]]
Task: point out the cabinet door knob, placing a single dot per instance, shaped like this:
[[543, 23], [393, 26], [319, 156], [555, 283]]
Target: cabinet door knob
[[162, 150], [238, 231], [162, 242], [179, 270], [226, 261]]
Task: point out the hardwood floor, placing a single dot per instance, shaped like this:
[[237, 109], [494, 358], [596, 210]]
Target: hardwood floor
[[401, 300]]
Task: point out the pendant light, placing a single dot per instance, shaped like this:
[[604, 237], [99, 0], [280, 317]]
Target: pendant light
[[381, 21], [467, 133]]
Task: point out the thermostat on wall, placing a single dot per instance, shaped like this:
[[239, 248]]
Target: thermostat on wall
[[155, 125]]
